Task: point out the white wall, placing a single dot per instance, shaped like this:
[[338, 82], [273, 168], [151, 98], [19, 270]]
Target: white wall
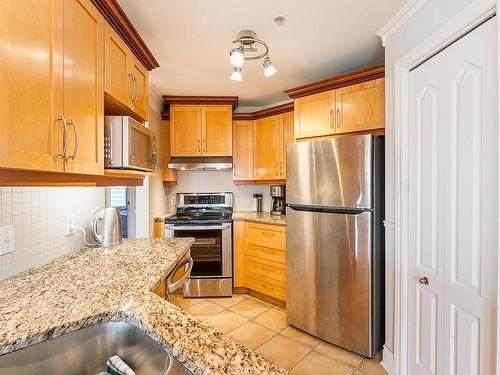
[[428, 19], [219, 181], [38, 217]]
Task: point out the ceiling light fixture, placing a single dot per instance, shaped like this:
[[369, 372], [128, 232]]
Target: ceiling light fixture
[[249, 48], [236, 75]]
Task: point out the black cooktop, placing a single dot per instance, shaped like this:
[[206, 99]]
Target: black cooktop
[[200, 216]]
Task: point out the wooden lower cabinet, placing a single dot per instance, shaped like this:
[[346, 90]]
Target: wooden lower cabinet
[[260, 258]]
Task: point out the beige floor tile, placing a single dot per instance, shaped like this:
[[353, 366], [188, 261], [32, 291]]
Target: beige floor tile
[[251, 334], [182, 302], [337, 353], [227, 302], [205, 309], [274, 319], [370, 367], [259, 300], [226, 321], [317, 364], [300, 337], [250, 308], [283, 351]]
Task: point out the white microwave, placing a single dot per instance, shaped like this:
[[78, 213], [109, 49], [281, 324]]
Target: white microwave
[[128, 144]]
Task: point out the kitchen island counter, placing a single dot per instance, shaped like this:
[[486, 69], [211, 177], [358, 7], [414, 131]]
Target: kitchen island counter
[[93, 285]]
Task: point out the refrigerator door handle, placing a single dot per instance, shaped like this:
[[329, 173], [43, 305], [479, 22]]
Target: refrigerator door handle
[[330, 209]]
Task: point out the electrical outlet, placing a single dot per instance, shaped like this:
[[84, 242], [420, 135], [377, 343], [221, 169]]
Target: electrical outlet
[[7, 238], [69, 222]]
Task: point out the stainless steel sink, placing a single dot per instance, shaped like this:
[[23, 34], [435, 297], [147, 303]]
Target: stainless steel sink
[[86, 351]]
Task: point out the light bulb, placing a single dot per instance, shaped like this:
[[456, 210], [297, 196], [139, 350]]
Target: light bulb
[[269, 69], [236, 75], [236, 57]]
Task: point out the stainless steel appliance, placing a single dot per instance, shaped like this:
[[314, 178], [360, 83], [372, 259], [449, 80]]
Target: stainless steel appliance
[[201, 163], [128, 144], [106, 226], [335, 240], [208, 218], [277, 199]]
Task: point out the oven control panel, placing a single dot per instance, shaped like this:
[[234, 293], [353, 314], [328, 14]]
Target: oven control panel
[[200, 199]]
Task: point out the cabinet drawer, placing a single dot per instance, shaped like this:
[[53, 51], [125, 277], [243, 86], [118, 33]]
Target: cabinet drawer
[[271, 270], [268, 253], [266, 235], [266, 287]]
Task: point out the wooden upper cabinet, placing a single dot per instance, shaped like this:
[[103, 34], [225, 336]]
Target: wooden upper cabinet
[[31, 70], [217, 131], [201, 130], [267, 147], [288, 137], [117, 66], [185, 130], [140, 88], [314, 115], [126, 79], [83, 86], [168, 175], [243, 150], [360, 107]]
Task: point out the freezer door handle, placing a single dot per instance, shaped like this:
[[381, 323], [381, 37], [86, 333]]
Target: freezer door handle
[[330, 209]]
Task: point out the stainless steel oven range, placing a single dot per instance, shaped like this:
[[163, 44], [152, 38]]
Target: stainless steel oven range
[[208, 218]]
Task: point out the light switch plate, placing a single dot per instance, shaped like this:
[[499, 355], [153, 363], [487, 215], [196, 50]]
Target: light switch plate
[[7, 239], [69, 221]]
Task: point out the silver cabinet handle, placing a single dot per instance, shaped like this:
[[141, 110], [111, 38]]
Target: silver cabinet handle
[[423, 281], [276, 168], [131, 95], [136, 89], [65, 140], [281, 168], [75, 149], [199, 145], [338, 118], [205, 145], [332, 120]]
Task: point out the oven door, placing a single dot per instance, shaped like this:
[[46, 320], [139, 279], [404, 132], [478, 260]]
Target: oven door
[[211, 251], [140, 149]]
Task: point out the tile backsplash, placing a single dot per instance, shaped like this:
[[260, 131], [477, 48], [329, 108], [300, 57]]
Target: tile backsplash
[[219, 181], [37, 214]]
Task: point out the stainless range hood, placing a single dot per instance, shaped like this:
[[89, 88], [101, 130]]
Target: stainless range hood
[[224, 163]]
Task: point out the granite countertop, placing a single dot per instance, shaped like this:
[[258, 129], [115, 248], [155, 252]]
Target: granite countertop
[[259, 217], [93, 285]]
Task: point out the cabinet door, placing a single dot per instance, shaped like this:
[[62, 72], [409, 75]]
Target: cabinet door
[[30, 71], [185, 130], [139, 101], [168, 175], [239, 253], [287, 137], [217, 131], [118, 82], [314, 115], [242, 150], [84, 86], [360, 107], [267, 148]]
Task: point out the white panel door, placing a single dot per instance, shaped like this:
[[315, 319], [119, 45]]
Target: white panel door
[[453, 148]]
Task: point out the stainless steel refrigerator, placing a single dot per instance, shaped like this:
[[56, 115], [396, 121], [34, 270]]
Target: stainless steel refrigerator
[[335, 240]]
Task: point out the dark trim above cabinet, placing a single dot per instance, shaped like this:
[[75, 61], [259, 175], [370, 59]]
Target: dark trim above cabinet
[[202, 100], [343, 80], [277, 110], [117, 18]]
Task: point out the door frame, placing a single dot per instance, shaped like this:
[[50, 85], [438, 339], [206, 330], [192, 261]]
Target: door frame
[[470, 17]]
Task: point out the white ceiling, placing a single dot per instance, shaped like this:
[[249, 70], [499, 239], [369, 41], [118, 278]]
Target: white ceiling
[[191, 40]]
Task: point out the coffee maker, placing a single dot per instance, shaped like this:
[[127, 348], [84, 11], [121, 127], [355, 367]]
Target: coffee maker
[[277, 199]]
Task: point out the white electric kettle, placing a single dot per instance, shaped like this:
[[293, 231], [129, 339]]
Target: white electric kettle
[[106, 226]]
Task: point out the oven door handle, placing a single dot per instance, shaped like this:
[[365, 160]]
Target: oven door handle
[[171, 286], [197, 227]]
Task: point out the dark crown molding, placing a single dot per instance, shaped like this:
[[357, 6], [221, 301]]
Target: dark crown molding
[[279, 109], [337, 82], [202, 100], [117, 18]]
